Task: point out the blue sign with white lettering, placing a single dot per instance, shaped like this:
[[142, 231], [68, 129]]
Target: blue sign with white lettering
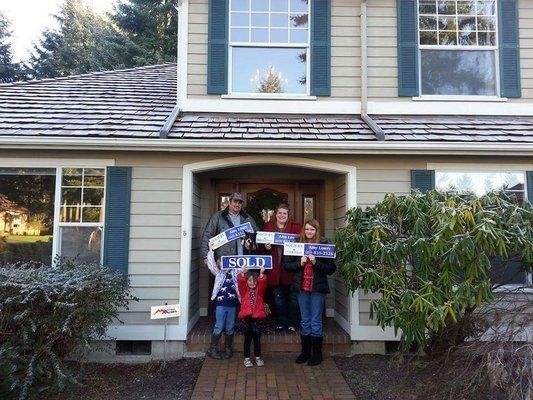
[[238, 231], [320, 250], [247, 262]]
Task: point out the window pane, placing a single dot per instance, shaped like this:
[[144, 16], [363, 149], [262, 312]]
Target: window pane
[[279, 35], [239, 5], [486, 23], [260, 20], [72, 177], [446, 7], [427, 7], [487, 38], [81, 242], [71, 196], [70, 213], [259, 35], [240, 34], [259, 5], [467, 38], [279, 20], [428, 23], [447, 24], [298, 36], [447, 38], [428, 37], [309, 208], [93, 197], [279, 5], [480, 183], [240, 19], [467, 24], [92, 214], [26, 214], [486, 7], [269, 70], [299, 5], [466, 7], [458, 72], [299, 20]]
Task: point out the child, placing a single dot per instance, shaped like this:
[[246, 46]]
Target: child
[[252, 290], [227, 299]]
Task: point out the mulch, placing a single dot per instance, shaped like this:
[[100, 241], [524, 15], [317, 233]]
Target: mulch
[[149, 381]]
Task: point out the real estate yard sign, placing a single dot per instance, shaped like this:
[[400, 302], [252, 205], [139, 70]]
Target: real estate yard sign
[[309, 249], [247, 262], [278, 238], [230, 234]]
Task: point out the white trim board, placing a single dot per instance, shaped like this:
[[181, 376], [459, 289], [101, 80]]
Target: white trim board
[[480, 167], [187, 203], [374, 333], [421, 107], [34, 162], [147, 332]]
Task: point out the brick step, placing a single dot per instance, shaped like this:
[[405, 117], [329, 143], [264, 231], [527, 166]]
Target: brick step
[[328, 348]]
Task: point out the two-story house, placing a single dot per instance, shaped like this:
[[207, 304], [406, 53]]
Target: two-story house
[[329, 104]]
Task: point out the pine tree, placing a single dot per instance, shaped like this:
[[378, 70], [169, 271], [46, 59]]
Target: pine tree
[[9, 71], [151, 24], [84, 42]]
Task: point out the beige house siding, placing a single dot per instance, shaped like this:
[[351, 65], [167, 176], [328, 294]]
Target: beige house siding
[[345, 52], [382, 51], [194, 293], [342, 297]]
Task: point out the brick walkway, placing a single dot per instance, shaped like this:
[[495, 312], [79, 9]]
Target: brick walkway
[[279, 379]]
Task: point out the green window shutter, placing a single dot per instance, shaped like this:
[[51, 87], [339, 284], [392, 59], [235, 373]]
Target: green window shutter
[[529, 176], [509, 49], [407, 48], [423, 180], [217, 47], [320, 48], [117, 218]]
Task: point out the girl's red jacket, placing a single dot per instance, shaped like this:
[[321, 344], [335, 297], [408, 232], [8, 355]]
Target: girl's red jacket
[[246, 308]]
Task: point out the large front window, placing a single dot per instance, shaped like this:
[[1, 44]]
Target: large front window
[[269, 46], [503, 271], [458, 45]]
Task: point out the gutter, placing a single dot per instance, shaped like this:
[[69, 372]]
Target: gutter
[[167, 126], [378, 131], [266, 146]]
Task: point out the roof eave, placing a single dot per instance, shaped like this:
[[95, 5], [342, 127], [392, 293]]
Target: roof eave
[[267, 146]]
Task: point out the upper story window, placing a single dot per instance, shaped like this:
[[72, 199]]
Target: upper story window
[[458, 47], [269, 46]]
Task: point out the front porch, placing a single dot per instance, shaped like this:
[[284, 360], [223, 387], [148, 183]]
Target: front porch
[[336, 340]]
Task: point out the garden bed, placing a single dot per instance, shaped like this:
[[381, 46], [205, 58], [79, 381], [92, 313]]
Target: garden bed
[[137, 381]]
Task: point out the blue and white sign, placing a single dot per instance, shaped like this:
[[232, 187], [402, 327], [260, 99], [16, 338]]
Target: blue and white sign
[[247, 261], [275, 237], [230, 234], [310, 249]]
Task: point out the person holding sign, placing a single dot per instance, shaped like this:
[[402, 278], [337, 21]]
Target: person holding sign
[[279, 279], [252, 289], [311, 284]]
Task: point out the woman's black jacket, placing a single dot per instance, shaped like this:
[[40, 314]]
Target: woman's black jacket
[[321, 270]]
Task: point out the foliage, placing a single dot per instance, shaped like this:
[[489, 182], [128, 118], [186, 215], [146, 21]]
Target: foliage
[[9, 71], [429, 258], [151, 25], [48, 313], [84, 42]]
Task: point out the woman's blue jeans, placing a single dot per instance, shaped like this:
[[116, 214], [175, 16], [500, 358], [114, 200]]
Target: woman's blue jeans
[[311, 309]]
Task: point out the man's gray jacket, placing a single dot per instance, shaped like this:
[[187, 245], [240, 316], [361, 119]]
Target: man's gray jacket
[[219, 222]]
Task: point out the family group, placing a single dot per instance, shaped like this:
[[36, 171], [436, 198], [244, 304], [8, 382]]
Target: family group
[[293, 281]]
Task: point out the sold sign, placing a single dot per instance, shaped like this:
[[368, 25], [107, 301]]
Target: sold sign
[[247, 262]]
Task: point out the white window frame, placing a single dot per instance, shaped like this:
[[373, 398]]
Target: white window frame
[[57, 213], [494, 48], [444, 168], [251, 44]]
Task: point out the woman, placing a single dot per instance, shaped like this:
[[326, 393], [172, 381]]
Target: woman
[[311, 284], [279, 280]]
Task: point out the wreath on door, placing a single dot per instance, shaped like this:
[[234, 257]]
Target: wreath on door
[[261, 205]]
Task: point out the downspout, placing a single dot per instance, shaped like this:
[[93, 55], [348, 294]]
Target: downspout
[[378, 131]]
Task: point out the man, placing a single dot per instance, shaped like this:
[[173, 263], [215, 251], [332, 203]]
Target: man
[[231, 216]]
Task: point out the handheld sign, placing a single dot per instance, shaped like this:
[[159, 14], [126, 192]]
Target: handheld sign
[[248, 262], [309, 249], [275, 237], [230, 234], [160, 312]]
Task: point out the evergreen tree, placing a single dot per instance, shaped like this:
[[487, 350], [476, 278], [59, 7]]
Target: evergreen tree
[[9, 71], [84, 42], [151, 24]]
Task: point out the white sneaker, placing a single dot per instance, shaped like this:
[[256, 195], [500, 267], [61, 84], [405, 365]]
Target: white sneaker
[[259, 361], [248, 363]]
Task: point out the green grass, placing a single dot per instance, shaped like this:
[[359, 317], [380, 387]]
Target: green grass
[[27, 239]]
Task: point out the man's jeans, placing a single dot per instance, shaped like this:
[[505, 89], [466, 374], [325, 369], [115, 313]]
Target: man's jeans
[[286, 304], [224, 320], [311, 308]]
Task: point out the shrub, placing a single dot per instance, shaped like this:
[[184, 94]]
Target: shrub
[[48, 313], [429, 258]]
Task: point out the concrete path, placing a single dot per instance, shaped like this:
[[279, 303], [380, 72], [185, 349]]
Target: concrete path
[[280, 379]]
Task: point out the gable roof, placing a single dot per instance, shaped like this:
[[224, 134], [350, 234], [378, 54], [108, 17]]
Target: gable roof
[[125, 103]]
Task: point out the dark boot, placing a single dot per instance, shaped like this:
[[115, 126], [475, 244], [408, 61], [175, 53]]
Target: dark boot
[[316, 350], [306, 349], [229, 347], [213, 351]]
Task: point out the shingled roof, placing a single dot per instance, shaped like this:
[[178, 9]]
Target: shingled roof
[[125, 103], [134, 103]]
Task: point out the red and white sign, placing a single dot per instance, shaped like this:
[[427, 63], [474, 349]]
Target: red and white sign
[[167, 311]]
